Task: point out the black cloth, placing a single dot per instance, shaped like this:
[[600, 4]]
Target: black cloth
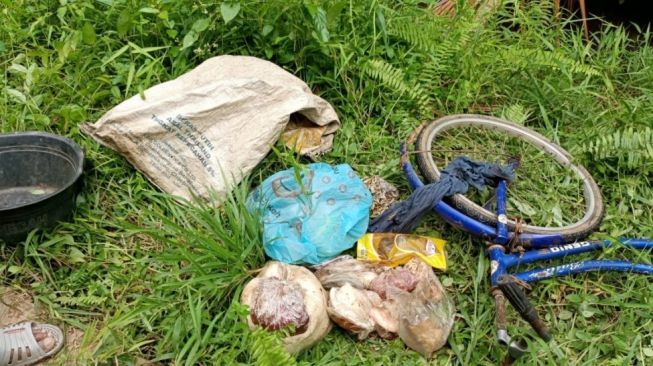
[[457, 177]]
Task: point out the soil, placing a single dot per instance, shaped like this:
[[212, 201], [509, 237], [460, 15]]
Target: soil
[[18, 306]]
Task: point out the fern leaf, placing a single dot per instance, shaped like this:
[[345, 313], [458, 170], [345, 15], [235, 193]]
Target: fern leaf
[[395, 79], [524, 57], [630, 146], [267, 350], [415, 34]]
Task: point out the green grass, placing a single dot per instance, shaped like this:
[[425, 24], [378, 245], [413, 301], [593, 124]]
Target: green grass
[[148, 278]]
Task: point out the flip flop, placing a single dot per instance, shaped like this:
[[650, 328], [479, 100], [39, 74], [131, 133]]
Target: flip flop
[[18, 347]]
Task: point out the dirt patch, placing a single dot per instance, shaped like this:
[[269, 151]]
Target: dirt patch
[[18, 306], [15, 307]]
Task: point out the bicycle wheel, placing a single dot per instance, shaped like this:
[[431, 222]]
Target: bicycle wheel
[[547, 192]]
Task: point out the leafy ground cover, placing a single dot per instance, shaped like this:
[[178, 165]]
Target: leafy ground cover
[[148, 279]]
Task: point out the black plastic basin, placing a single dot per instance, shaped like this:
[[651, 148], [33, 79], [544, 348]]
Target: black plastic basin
[[40, 175]]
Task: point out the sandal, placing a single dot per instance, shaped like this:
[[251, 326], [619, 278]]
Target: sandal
[[18, 347]]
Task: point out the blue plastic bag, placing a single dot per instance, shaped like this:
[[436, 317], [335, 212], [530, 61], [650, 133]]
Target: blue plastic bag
[[312, 214]]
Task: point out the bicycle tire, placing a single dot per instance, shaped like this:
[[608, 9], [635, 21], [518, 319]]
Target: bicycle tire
[[594, 209]]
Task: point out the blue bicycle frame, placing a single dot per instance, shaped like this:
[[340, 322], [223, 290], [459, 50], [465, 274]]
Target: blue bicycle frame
[[550, 246], [546, 247]]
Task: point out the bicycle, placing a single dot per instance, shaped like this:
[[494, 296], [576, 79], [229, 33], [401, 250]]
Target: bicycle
[[511, 242]]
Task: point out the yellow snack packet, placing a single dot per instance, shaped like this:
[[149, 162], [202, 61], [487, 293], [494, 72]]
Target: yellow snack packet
[[393, 249]]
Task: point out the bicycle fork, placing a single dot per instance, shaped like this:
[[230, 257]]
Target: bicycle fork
[[506, 286], [516, 348]]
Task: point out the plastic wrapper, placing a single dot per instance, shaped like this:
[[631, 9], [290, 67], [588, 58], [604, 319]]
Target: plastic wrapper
[[407, 301], [426, 315], [279, 303], [344, 270], [392, 249], [349, 307], [396, 278]]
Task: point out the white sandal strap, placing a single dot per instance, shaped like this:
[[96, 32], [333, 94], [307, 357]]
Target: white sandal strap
[[18, 347]]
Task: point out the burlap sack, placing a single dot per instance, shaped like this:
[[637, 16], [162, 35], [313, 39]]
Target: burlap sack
[[208, 128]]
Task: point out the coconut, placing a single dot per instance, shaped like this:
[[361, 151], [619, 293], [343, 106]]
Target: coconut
[[284, 295]]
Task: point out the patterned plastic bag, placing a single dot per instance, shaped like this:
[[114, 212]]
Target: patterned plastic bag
[[311, 214]]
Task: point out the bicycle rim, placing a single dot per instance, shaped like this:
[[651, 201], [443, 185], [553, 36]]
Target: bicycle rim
[[552, 194]]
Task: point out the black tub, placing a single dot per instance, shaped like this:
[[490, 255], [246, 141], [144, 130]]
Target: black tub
[[40, 175]]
